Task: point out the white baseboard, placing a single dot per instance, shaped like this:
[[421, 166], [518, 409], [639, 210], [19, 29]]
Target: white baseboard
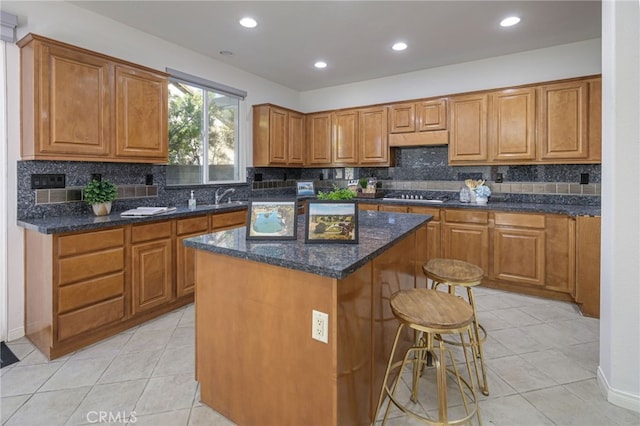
[[16, 333], [617, 397]]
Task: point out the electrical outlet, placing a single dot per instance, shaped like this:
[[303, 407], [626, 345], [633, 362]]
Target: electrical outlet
[[320, 326]]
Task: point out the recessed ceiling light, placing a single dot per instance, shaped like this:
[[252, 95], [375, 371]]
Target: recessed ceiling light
[[399, 46], [248, 22], [510, 21], [320, 64]]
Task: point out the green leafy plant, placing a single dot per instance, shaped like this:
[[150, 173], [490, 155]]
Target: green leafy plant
[[336, 194], [100, 191]]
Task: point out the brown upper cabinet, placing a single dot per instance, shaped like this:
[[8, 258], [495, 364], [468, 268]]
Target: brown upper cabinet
[[84, 106], [512, 124], [278, 136], [373, 136], [418, 123], [345, 137], [553, 123], [318, 139], [360, 137], [570, 121], [468, 125]]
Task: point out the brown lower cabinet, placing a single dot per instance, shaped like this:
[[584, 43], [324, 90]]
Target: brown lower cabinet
[[82, 287], [547, 255]]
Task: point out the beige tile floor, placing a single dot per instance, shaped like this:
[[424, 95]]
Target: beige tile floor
[[542, 357]]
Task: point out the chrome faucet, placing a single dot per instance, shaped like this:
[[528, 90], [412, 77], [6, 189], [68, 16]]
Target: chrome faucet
[[219, 197]]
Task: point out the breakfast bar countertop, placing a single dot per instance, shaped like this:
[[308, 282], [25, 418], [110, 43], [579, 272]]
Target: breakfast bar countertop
[[377, 232]]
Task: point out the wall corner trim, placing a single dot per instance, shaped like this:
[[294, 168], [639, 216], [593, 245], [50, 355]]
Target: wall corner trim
[[617, 397]]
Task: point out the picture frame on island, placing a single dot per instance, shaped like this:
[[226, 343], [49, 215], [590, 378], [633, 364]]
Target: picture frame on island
[[272, 219], [330, 221]]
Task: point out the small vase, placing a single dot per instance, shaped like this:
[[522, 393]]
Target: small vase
[[101, 209], [472, 196], [481, 200]]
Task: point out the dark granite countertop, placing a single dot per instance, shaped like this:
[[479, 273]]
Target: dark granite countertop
[[567, 209], [62, 224], [378, 231]]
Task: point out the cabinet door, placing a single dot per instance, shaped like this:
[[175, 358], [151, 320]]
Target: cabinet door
[[519, 255], [318, 139], [563, 121], [74, 94], [429, 242], [373, 136], [560, 260], [186, 256], [278, 135], [345, 137], [467, 242], [296, 138], [468, 128], [588, 265], [431, 115], [151, 274], [141, 115], [512, 119], [402, 118], [595, 120]]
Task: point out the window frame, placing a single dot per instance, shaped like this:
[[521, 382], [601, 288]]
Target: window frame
[[240, 152]]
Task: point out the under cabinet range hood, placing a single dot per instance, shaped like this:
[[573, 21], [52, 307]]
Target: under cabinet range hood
[[438, 137]]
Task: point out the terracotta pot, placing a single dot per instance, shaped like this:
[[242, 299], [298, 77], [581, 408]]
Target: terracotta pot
[[101, 209]]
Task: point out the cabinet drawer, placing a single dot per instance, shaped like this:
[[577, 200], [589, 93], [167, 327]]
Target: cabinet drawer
[[89, 318], [90, 241], [519, 220], [435, 212], [192, 225], [152, 231], [83, 267], [227, 220], [467, 216], [75, 296]]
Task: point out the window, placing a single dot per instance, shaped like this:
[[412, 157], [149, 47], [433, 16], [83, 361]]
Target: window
[[203, 131]]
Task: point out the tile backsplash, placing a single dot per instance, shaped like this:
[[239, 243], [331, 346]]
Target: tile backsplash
[[421, 169]]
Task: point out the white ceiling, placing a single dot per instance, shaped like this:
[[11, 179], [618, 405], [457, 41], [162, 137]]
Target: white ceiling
[[354, 37]]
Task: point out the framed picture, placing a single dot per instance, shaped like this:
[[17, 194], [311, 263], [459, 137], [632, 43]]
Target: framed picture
[[331, 222], [306, 189], [272, 219]]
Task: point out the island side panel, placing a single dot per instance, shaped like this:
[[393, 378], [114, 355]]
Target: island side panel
[[256, 361], [393, 271], [354, 347]]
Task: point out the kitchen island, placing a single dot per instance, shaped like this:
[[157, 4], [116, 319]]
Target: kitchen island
[[255, 358]]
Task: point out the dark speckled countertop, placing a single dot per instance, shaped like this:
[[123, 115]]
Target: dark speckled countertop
[[566, 209], [378, 231], [62, 224]]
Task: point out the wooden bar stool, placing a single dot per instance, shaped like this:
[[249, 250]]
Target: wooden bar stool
[[452, 273], [430, 314]]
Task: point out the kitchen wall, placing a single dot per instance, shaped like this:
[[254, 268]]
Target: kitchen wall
[[553, 63]]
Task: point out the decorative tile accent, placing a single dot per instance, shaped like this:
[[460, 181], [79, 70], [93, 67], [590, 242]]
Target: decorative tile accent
[[68, 195]]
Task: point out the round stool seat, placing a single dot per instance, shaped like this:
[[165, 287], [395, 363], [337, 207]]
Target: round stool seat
[[453, 271], [431, 309]]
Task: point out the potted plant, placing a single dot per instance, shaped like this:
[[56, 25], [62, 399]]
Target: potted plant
[[100, 194], [336, 194]]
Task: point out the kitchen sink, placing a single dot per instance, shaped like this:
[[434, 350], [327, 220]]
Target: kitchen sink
[[414, 200], [224, 204]]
